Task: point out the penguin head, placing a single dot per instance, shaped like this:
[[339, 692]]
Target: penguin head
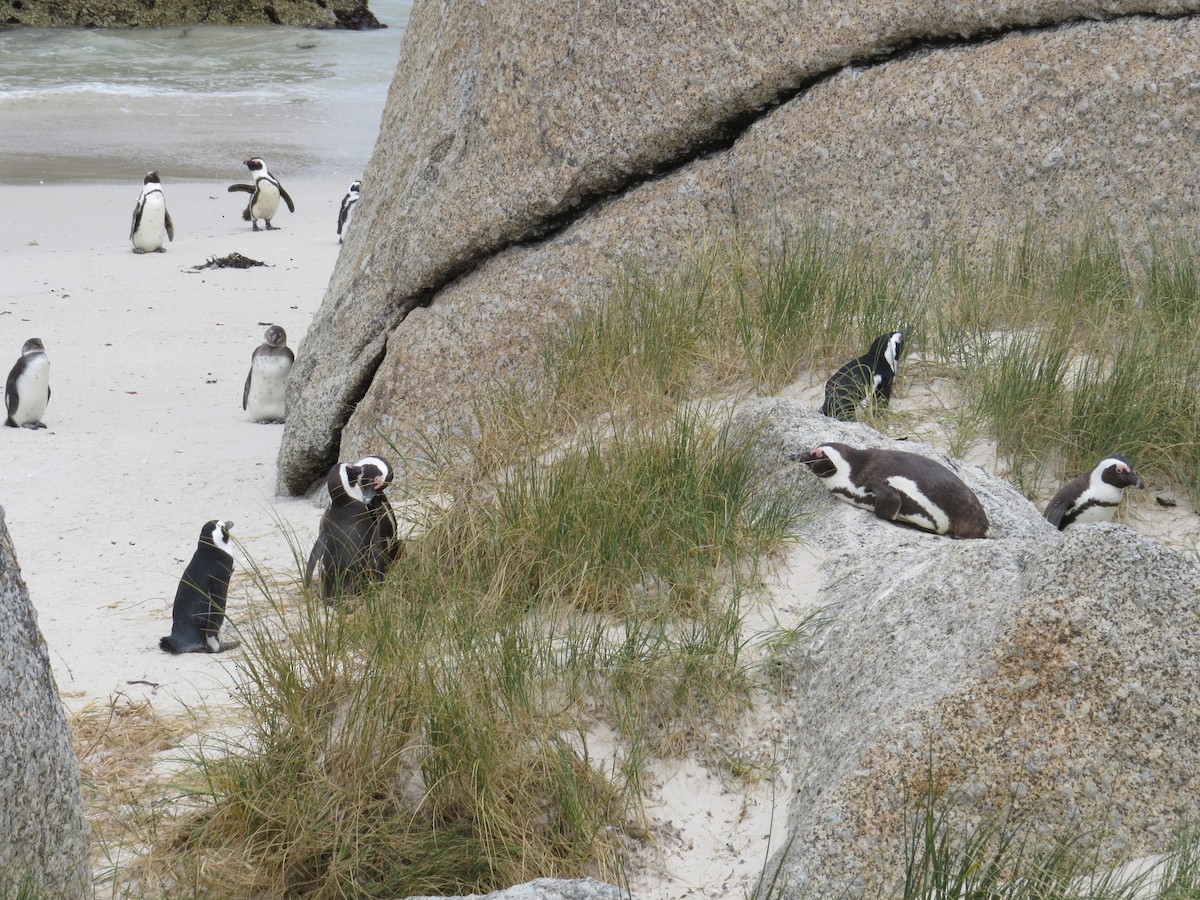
[[1119, 472], [33, 345], [256, 164], [151, 178], [355, 188], [376, 470], [216, 534], [824, 460], [885, 349], [275, 336], [343, 482]]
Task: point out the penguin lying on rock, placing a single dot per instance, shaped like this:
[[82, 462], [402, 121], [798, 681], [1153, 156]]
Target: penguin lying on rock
[[199, 609], [900, 487], [1093, 496], [852, 386]]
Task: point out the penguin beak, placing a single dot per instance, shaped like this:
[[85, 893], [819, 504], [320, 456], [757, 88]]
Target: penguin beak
[[807, 458], [368, 491]]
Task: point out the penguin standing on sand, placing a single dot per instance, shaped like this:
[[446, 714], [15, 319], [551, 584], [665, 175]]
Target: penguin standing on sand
[[900, 487], [871, 375], [347, 210], [344, 542], [265, 392], [1093, 496], [265, 194], [385, 542], [150, 218], [199, 609], [27, 390]]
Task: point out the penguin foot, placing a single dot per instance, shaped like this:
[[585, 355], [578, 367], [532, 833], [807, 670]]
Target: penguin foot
[[161, 250], [138, 250], [256, 228], [34, 425], [271, 227]]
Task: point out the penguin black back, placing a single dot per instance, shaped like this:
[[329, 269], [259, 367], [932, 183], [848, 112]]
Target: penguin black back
[[870, 375], [343, 549], [200, 599], [900, 487]]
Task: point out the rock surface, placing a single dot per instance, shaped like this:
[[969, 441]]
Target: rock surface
[[151, 13], [45, 837], [1056, 670], [521, 154]]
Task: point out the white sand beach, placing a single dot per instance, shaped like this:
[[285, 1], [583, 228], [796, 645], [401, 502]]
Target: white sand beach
[[146, 438]]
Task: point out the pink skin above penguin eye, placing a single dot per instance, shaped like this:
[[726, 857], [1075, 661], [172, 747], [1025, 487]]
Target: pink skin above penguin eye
[[817, 452]]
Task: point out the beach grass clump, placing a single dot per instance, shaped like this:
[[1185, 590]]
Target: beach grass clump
[[436, 736]]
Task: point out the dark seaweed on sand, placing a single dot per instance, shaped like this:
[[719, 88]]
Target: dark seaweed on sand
[[232, 261]]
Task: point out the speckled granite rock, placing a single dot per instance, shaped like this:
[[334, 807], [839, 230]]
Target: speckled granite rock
[[44, 834], [1057, 668], [504, 125], [150, 13], [553, 889]]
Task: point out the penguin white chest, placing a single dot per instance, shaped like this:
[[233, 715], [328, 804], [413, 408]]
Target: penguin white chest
[[265, 202], [148, 236], [268, 387], [33, 390]]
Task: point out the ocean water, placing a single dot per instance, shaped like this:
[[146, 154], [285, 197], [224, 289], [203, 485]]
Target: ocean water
[[99, 105]]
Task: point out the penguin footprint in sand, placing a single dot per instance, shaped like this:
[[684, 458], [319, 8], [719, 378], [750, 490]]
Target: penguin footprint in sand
[[27, 391], [199, 609], [900, 487], [1093, 496], [150, 218], [265, 194]]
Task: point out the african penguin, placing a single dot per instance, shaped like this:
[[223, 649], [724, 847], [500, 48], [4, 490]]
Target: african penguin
[[1093, 496], [385, 543], [27, 390], [853, 385], [265, 194], [199, 609], [900, 487], [264, 395], [150, 218], [347, 210], [343, 549]]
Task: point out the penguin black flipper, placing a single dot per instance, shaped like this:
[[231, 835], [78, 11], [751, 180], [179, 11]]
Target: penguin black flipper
[[888, 501], [246, 389], [286, 199], [169, 224], [1056, 510], [244, 188], [318, 551], [137, 218]]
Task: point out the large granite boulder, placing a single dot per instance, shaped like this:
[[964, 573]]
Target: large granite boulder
[[1056, 672], [524, 148], [153, 13], [45, 836]]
